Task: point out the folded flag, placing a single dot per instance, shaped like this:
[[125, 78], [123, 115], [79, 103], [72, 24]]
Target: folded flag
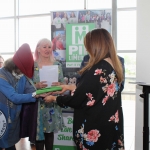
[[48, 89]]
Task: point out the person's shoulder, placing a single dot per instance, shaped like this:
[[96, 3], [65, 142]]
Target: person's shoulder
[[86, 57], [35, 64], [56, 63], [101, 64], [121, 58]]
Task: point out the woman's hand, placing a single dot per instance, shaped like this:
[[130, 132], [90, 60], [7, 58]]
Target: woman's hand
[[41, 84], [65, 88], [45, 94], [50, 98], [56, 83]]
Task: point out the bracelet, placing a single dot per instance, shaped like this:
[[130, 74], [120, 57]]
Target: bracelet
[[55, 98], [33, 94]]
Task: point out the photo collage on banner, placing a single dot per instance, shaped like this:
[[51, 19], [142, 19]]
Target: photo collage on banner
[[68, 29]]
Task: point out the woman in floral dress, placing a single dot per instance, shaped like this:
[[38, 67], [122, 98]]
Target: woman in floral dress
[[98, 118]]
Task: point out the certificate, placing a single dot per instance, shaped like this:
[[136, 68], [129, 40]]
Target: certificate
[[49, 74]]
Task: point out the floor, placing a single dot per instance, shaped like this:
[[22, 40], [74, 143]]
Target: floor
[[129, 122]]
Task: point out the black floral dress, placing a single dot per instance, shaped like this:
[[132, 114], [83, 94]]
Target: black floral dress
[[98, 117]]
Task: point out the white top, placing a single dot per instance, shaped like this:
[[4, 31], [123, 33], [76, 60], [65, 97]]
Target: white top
[[73, 20], [57, 22], [64, 22]]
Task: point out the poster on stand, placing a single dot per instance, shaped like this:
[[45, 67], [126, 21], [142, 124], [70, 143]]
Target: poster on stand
[[63, 140], [68, 29]]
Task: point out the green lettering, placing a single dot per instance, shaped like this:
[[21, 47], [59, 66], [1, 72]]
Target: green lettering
[[63, 137], [70, 120], [79, 37]]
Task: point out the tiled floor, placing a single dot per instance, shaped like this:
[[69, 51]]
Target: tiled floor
[[129, 126]]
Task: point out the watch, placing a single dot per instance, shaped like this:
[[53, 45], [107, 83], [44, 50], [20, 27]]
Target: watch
[[33, 94]]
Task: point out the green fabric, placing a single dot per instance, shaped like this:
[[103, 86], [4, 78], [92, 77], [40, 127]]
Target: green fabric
[[49, 117], [48, 89]]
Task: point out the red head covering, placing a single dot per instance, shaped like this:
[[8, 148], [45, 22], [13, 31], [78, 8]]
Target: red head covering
[[23, 59]]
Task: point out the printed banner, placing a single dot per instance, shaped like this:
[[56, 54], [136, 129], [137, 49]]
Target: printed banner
[[75, 49], [68, 29], [63, 140]]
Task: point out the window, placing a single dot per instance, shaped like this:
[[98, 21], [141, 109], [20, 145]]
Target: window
[[32, 29], [98, 4], [7, 35], [6, 8], [126, 30], [28, 7], [126, 3]]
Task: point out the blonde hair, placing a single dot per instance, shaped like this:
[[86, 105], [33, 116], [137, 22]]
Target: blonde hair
[[36, 54], [99, 44]]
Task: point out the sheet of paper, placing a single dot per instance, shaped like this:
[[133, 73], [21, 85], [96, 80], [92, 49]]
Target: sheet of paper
[[49, 74]]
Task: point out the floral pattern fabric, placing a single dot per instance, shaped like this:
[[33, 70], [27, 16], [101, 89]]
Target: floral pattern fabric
[[98, 117], [49, 114]]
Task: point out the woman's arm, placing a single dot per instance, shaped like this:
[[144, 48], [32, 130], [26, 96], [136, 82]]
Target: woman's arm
[[98, 84], [12, 95], [65, 88]]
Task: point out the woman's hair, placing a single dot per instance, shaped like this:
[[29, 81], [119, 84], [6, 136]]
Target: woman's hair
[[10, 66], [45, 41], [72, 15], [99, 44], [65, 16]]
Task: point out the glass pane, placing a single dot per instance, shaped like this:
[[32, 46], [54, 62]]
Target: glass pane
[[7, 35], [27, 7], [66, 5], [6, 8], [31, 30], [126, 30], [7, 56], [128, 97], [130, 64], [126, 3], [128, 87], [98, 4]]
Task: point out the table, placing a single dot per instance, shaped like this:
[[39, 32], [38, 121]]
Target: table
[[146, 96]]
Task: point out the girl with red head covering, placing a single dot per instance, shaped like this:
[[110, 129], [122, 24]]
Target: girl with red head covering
[[15, 83]]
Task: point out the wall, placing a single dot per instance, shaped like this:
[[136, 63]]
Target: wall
[[143, 62]]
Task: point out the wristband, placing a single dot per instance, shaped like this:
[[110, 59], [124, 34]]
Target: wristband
[[33, 94], [55, 99]]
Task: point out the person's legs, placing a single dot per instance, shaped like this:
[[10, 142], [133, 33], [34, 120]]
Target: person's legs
[[39, 145], [49, 139]]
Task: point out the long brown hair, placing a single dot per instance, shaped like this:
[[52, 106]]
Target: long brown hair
[[99, 44]]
